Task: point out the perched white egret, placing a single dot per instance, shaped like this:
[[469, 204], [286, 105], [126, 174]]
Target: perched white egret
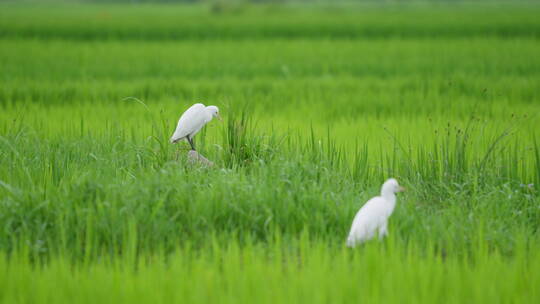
[[191, 122], [373, 216]]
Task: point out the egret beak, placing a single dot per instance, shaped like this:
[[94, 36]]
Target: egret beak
[[218, 117], [401, 189]]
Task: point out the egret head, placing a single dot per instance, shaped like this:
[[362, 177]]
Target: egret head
[[390, 187], [214, 111]]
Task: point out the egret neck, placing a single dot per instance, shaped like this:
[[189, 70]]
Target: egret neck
[[389, 197]]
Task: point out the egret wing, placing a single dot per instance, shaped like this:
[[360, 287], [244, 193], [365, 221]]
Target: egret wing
[[367, 220], [192, 120]]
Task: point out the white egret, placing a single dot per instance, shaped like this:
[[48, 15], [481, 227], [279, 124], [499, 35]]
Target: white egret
[[191, 122], [373, 216]]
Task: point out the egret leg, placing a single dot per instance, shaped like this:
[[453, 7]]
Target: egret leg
[[383, 230], [190, 140]]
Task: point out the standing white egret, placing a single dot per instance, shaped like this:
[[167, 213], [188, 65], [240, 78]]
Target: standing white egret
[[192, 121], [373, 216]]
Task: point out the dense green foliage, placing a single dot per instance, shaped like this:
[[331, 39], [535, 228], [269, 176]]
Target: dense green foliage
[[321, 105]]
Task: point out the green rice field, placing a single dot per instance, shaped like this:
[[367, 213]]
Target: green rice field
[[321, 104]]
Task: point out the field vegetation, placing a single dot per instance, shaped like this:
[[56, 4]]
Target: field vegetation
[[321, 105]]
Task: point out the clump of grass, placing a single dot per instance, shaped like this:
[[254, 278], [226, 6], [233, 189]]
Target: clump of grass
[[243, 146]]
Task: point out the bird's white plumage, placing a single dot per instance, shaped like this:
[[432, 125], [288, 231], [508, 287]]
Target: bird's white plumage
[[192, 120], [372, 218]]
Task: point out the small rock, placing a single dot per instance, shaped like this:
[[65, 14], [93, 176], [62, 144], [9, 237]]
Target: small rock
[[195, 158]]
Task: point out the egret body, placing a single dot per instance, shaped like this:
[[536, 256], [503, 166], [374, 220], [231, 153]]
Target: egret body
[[192, 121], [373, 217]]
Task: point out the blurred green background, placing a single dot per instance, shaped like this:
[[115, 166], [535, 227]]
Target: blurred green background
[[322, 102]]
